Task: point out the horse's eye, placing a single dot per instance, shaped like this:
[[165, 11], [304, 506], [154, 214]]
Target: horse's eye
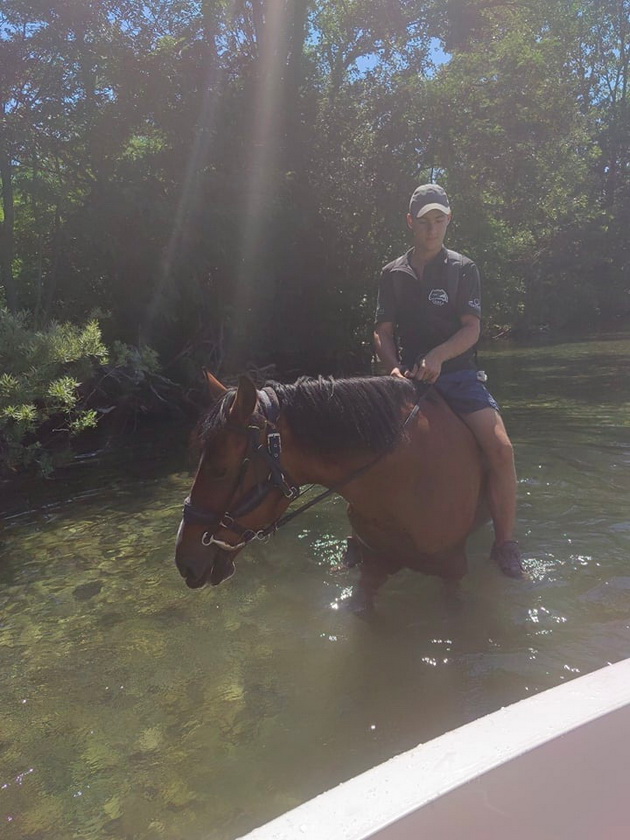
[[215, 473]]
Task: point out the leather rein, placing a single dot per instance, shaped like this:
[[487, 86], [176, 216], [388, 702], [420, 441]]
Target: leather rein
[[269, 450]]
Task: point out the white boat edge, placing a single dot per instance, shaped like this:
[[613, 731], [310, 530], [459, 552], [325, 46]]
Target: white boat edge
[[555, 765]]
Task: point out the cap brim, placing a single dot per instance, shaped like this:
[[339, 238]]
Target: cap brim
[[443, 207]]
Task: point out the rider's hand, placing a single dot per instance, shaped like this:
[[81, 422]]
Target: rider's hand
[[427, 369], [397, 372]]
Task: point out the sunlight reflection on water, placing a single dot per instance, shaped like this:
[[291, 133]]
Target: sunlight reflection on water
[[131, 707]]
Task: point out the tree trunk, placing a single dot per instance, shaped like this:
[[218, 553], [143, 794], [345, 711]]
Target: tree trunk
[[7, 232], [295, 80]]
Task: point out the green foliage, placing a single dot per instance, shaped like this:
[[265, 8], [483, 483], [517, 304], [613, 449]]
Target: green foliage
[[40, 404], [143, 360], [223, 183]]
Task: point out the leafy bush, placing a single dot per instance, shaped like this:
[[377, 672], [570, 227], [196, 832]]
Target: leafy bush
[[41, 372], [132, 386]]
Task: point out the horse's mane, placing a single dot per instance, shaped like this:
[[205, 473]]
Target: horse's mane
[[329, 415]]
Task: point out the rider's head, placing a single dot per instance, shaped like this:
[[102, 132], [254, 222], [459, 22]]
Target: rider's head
[[428, 218]]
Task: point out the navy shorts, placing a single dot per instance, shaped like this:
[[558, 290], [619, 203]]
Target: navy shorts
[[464, 392]]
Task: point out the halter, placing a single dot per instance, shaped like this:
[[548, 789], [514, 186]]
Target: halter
[[269, 449]]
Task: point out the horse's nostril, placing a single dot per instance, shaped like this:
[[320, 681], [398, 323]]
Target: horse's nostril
[[186, 571], [193, 569], [194, 584], [194, 561]]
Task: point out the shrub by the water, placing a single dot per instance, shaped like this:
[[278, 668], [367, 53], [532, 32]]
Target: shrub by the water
[[41, 372]]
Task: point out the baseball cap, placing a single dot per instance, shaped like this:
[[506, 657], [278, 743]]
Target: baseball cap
[[428, 197]]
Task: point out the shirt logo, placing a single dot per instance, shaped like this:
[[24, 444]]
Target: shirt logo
[[438, 297], [475, 303]]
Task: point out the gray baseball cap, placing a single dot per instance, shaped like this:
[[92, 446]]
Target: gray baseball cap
[[428, 197]]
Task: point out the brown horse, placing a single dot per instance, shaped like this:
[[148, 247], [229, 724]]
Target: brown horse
[[407, 465]]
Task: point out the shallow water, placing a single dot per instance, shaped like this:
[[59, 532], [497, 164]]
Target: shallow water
[[131, 707]]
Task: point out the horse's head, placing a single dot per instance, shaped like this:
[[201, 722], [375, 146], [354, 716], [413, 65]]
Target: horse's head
[[240, 489]]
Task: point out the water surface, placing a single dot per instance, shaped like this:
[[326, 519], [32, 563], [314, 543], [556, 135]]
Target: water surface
[[131, 707]]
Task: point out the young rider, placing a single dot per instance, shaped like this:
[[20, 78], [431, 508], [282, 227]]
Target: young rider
[[437, 323]]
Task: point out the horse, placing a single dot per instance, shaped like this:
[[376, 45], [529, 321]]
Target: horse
[[407, 465]]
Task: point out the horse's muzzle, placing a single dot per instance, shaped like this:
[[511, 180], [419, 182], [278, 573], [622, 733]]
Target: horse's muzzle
[[214, 572], [202, 564]]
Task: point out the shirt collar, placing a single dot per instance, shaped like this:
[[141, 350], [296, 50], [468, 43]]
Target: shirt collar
[[440, 257]]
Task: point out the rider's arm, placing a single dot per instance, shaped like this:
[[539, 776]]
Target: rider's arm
[[385, 346], [465, 338], [468, 306], [429, 368]]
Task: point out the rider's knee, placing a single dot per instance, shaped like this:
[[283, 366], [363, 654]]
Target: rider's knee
[[500, 452]]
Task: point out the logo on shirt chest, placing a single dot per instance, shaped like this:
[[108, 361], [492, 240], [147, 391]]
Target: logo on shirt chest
[[438, 297]]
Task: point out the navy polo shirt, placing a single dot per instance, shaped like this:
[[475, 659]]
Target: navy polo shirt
[[421, 308]]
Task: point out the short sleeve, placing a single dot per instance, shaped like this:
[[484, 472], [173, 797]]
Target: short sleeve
[[469, 293], [386, 300]]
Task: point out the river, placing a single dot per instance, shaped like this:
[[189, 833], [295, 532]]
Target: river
[[133, 708]]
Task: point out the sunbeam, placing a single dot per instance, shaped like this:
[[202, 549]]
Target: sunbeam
[[262, 166]]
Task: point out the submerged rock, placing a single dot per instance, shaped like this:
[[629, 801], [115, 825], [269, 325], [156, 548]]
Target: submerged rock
[[85, 591]]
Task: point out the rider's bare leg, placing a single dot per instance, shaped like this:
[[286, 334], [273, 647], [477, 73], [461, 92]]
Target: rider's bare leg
[[489, 430]]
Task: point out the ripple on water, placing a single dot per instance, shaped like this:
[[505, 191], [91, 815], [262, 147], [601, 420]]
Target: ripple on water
[[610, 592]]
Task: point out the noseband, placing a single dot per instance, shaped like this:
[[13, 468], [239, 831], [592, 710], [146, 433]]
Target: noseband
[[268, 450]]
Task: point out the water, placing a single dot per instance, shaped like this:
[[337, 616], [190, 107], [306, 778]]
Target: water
[[131, 707]]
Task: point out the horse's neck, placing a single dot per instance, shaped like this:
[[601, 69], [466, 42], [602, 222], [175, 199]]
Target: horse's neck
[[306, 467]]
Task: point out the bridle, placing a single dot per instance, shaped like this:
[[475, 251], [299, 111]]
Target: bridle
[[267, 448]]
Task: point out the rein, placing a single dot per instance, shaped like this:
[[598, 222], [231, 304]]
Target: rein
[[269, 450]]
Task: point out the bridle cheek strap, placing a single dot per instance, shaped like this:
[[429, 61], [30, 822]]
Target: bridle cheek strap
[[269, 451]]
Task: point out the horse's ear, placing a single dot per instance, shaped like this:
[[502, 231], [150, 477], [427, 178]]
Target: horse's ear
[[244, 401], [214, 386]]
